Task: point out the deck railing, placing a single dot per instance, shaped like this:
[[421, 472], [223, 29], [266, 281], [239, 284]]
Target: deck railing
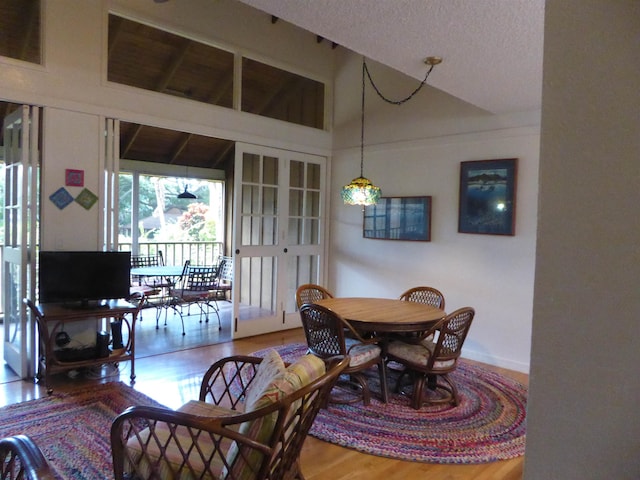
[[175, 253]]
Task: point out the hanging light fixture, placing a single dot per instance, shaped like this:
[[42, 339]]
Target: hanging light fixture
[[187, 194], [360, 191]]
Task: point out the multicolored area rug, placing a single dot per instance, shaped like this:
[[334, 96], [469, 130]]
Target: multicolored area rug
[[488, 424], [72, 429]]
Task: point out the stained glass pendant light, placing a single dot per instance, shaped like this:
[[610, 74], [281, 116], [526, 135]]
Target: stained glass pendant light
[[361, 191]]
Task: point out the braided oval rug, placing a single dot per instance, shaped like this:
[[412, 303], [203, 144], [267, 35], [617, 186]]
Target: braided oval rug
[[489, 423]]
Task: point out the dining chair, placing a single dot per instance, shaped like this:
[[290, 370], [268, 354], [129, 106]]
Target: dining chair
[[170, 299], [310, 293], [428, 362], [153, 288], [326, 338], [146, 261], [196, 287], [425, 295]]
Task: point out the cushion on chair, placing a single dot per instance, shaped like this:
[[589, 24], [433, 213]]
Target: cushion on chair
[[360, 353], [297, 375], [270, 367], [173, 457], [418, 354]]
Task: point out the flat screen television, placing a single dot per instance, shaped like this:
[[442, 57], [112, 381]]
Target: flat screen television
[[83, 278]]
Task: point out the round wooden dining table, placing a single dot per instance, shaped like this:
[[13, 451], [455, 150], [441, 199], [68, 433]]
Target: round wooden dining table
[[384, 314]]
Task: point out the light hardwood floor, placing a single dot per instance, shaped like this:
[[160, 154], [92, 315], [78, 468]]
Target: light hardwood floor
[[174, 378]]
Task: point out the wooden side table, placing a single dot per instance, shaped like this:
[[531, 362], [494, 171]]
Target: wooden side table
[[50, 320]]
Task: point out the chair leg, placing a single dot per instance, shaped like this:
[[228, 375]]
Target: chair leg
[[382, 371], [455, 399], [418, 386], [366, 393], [204, 308]]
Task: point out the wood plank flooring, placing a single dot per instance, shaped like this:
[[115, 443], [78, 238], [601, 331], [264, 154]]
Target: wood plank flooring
[[173, 378]]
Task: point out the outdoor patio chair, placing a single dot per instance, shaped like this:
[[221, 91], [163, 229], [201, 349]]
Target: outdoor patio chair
[[196, 287], [224, 275], [22, 459], [427, 362], [250, 422]]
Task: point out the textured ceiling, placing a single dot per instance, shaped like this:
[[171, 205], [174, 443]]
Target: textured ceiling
[[492, 49]]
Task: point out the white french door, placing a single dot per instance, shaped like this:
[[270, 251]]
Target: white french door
[[21, 152], [278, 235]]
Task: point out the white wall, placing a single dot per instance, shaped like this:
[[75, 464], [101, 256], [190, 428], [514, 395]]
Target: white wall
[[493, 274], [582, 418], [74, 227]]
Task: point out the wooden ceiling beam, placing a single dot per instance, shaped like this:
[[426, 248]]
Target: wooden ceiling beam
[[180, 148], [173, 67], [131, 141]]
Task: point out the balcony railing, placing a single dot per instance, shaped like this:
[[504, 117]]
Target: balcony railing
[[175, 253]]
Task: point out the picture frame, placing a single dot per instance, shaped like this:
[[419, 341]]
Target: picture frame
[[86, 198], [61, 198], [74, 178], [487, 202], [398, 218]]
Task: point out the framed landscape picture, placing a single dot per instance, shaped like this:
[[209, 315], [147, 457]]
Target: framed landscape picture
[[399, 218], [488, 197]]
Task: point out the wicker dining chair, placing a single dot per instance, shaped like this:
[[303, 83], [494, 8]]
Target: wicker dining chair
[[326, 338], [22, 459], [427, 362], [426, 295], [310, 293]]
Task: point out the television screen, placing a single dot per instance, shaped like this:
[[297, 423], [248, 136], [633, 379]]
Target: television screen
[[83, 277]]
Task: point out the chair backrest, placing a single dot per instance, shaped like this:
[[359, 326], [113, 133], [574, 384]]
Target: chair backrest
[[21, 458], [453, 331], [147, 260], [425, 295], [200, 278], [324, 330], [225, 269], [310, 293], [158, 431]]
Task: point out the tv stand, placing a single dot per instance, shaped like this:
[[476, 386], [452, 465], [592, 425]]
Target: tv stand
[[87, 304], [50, 320]]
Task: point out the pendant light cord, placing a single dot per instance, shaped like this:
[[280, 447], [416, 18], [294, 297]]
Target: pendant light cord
[[365, 69], [367, 74]]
